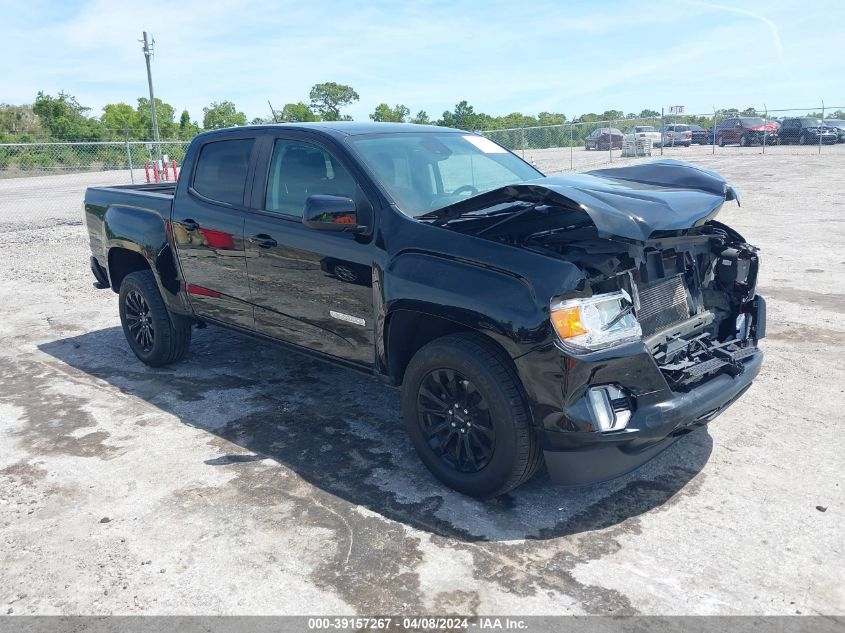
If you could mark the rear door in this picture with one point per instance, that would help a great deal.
(310, 288)
(208, 231)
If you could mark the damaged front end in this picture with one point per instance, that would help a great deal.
(661, 335)
(692, 294)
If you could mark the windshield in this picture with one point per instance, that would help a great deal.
(810, 122)
(645, 128)
(835, 122)
(752, 121)
(427, 171)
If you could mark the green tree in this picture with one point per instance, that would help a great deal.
(19, 123)
(649, 114)
(328, 98)
(298, 113)
(463, 117)
(384, 112)
(551, 118)
(65, 118)
(165, 117)
(120, 120)
(223, 114)
(421, 118)
(187, 129)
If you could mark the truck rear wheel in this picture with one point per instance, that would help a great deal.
(157, 337)
(466, 414)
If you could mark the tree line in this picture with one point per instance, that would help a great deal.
(63, 118)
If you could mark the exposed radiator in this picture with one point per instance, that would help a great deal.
(662, 304)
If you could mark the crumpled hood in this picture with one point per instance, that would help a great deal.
(628, 202)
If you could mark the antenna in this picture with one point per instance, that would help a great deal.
(273, 112)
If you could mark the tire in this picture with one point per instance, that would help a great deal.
(802, 140)
(156, 337)
(496, 428)
(744, 141)
(722, 142)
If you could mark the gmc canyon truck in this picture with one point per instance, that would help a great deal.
(585, 321)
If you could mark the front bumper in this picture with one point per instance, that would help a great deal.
(575, 453)
(579, 458)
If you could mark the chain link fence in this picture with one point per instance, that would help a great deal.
(44, 183)
(583, 145)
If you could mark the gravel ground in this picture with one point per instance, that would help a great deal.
(248, 479)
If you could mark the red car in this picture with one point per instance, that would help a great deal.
(604, 138)
(746, 131)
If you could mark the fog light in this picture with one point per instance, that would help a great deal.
(610, 408)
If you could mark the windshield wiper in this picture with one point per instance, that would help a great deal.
(512, 216)
(441, 219)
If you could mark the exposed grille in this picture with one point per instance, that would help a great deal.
(662, 304)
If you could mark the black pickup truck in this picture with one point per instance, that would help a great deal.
(586, 320)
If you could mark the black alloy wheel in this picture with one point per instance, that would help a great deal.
(156, 336)
(455, 420)
(467, 415)
(139, 320)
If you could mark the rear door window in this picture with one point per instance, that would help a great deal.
(221, 170)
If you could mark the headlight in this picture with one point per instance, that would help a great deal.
(595, 322)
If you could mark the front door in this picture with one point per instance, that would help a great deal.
(208, 230)
(311, 288)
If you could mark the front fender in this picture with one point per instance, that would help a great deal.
(501, 304)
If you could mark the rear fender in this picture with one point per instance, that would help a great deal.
(145, 232)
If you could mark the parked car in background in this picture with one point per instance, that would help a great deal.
(838, 126)
(673, 135)
(746, 131)
(604, 138)
(700, 136)
(807, 130)
(644, 132)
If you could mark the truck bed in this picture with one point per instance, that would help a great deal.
(162, 188)
(150, 200)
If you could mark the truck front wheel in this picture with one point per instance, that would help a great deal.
(157, 337)
(466, 414)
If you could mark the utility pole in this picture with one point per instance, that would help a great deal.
(148, 53)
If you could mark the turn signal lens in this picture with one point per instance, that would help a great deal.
(595, 322)
(567, 322)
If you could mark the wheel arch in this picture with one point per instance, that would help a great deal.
(407, 331)
(122, 261)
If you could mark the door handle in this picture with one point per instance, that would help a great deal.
(189, 224)
(263, 240)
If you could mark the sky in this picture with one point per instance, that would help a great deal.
(529, 57)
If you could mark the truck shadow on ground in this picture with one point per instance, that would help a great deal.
(341, 431)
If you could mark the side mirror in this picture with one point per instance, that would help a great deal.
(331, 213)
